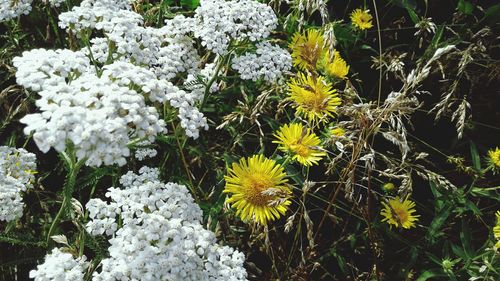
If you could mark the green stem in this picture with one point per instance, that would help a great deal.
(86, 41)
(287, 160)
(184, 163)
(111, 50)
(74, 168)
(220, 63)
(57, 218)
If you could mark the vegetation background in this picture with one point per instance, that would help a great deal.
(326, 235)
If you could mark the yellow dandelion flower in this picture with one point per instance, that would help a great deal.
(335, 66)
(307, 49)
(258, 189)
(361, 19)
(313, 98)
(301, 142)
(337, 131)
(399, 213)
(496, 232)
(494, 157)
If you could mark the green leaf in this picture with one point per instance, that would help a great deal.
(413, 257)
(435, 227)
(437, 37)
(465, 238)
(470, 206)
(22, 239)
(459, 251)
(345, 36)
(191, 4)
(465, 7)
(340, 260)
(486, 192)
(438, 202)
(476, 160)
(492, 15)
(429, 274)
(434, 190)
(413, 16)
(368, 47)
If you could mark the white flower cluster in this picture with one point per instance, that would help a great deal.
(100, 15)
(39, 69)
(161, 237)
(17, 169)
(268, 62)
(135, 77)
(153, 55)
(60, 266)
(144, 153)
(10, 9)
(219, 21)
(177, 53)
(101, 109)
(139, 78)
(99, 115)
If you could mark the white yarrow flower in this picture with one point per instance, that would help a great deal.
(268, 62)
(10, 9)
(161, 237)
(59, 265)
(17, 169)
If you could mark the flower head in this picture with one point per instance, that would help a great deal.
(399, 213)
(17, 169)
(335, 66)
(307, 49)
(258, 189)
(60, 265)
(162, 225)
(314, 98)
(269, 62)
(494, 157)
(300, 142)
(361, 19)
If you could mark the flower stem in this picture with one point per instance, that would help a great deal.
(73, 168)
(220, 63)
(184, 163)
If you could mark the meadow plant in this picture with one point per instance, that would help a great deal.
(249, 140)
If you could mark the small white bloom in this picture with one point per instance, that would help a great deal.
(60, 266)
(269, 62)
(17, 169)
